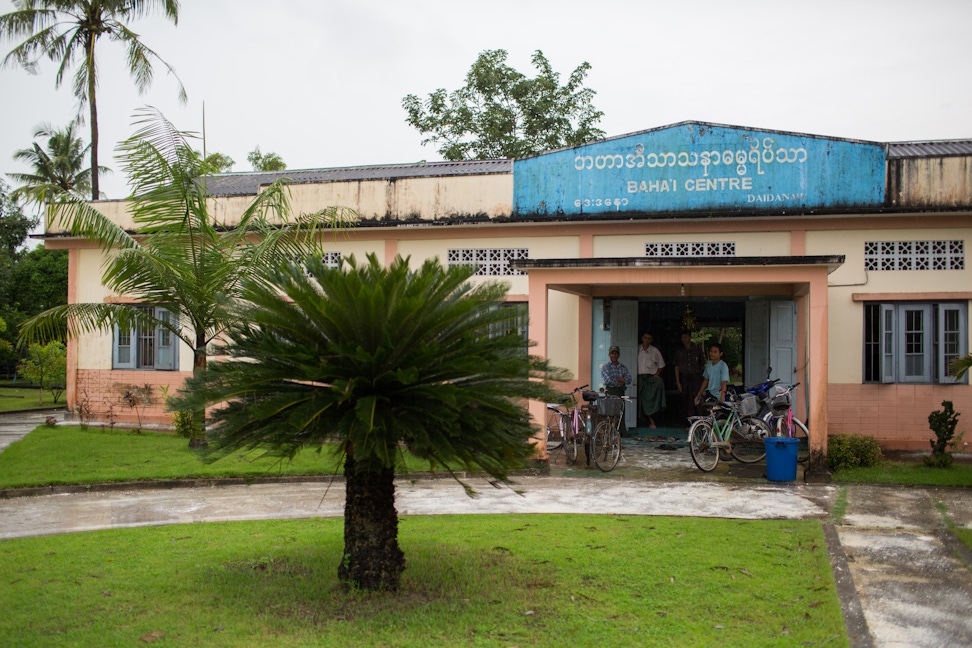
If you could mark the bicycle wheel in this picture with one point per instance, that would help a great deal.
(554, 431)
(571, 439)
(800, 432)
(606, 446)
(747, 442)
(704, 454)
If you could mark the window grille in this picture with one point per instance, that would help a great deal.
(914, 255)
(490, 262)
(694, 249)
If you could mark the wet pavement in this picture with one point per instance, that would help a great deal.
(902, 576)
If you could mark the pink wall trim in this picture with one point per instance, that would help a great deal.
(896, 415)
(103, 391)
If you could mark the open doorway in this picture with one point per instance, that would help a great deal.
(709, 320)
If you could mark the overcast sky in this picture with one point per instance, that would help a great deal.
(320, 82)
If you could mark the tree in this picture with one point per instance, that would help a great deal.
(58, 169)
(14, 228)
(46, 366)
(67, 32)
(502, 113)
(265, 161)
(373, 359)
(220, 162)
(40, 280)
(179, 257)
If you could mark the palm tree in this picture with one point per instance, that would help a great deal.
(374, 359)
(67, 32)
(179, 257)
(58, 169)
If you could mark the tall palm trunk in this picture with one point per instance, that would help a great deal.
(199, 361)
(372, 559)
(93, 108)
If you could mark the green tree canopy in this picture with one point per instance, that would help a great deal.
(67, 32)
(220, 162)
(179, 257)
(45, 365)
(58, 168)
(501, 113)
(265, 161)
(372, 359)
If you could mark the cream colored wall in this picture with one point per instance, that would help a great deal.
(424, 198)
(94, 349)
(846, 317)
(360, 249)
(747, 243)
(562, 331)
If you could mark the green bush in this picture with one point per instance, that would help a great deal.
(851, 451)
(943, 424)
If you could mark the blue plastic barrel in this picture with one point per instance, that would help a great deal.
(781, 458)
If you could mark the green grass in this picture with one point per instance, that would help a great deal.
(907, 474)
(72, 455)
(25, 398)
(965, 535)
(511, 580)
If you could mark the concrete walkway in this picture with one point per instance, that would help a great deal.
(902, 576)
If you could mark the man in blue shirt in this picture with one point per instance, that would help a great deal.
(614, 374)
(715, 377)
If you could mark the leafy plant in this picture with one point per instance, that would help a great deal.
(46, 365)
(368, 357)
(943, 423)
(851, 451)
(137, 399)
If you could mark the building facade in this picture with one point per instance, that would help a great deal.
(835, 263)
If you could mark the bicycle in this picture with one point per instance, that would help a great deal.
(576, 424)
(782, 422)
(605, 445)
(739, 432)
(554, 426)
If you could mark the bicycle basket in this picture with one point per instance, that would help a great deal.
(590, 396)
(610, 406)
(748, 405)
(781, 397)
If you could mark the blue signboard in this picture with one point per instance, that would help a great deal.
(694, 166)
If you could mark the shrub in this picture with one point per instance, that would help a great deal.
(851, 451)
(943, 424)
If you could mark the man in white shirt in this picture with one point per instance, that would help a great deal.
(651, 388)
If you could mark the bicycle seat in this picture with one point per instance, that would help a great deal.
(590, 396)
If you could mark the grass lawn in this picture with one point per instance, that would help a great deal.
(907, 474)
(23, 398)
(510, 580)
(71, 455)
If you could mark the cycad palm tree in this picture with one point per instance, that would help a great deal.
(67, 32)
(60, 168)
(374, 359)
(178, 256)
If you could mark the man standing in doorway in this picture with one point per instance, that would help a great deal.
(651, 388)
(689, 361)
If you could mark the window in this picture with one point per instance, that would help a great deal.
(914, 255)
(491, 262)
(913, 342)
(146, 348)
(697, 249)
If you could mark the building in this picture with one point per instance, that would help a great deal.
(839, 263)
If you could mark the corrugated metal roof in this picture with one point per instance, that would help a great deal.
(936, 148)
(235, 184)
